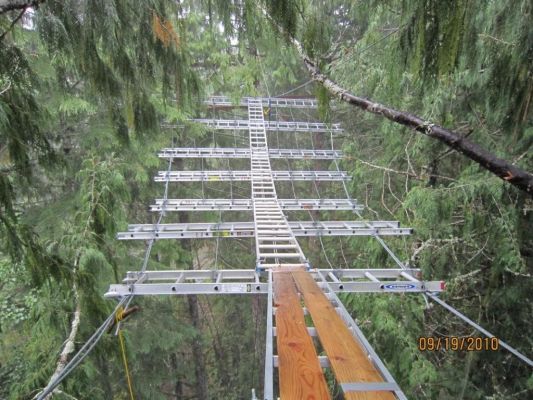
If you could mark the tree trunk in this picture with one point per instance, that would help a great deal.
(69, 346)
(516, 176)
(178, 387)
(198, 354)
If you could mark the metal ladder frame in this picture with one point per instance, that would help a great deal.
(275, 237)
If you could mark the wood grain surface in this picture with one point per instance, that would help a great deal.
(300, 374)
(346, 356)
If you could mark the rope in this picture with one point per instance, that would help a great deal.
(123, 303)
(82, 353)
(296, 88)
(119, 315)
(459, 314)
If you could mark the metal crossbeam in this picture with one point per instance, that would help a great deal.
(210, 176)
(358, 334)
(282, 126)
(271, 230)
(235, 281)
(275, 237)
(265, 102)
(229, 152)
(247, 204)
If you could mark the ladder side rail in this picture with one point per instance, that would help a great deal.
(358, 334)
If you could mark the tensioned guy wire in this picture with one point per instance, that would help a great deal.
(82, 353)
(433, 296)
(125, 301)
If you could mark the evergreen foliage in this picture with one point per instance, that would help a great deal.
(90, 90)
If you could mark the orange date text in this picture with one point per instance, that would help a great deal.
(458, 343)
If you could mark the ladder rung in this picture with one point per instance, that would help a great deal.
(273, 238)
(276, 265)
(278, 246)
(280, 255)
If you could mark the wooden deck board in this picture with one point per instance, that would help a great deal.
(346, 356)
(300, 374)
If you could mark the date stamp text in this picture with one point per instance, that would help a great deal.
(458, 343)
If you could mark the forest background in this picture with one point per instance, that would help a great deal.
(90, 90)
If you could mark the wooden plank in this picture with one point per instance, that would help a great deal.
(300, 374)
(346, 356)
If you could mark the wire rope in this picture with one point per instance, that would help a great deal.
(82, 352)
(433, 296)
(123, 303)
(296, 88)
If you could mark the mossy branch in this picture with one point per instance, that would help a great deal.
(510, 173)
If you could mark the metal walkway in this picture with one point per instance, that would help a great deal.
(247, 205)
(282, 272)
(233, 152)
(265, 102)
(281, 126)
(211, 176)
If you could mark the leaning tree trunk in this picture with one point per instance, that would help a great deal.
(516, 176)
(70, 343)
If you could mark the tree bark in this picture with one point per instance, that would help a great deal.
(516, 176)
(69, 346)
(198, 354)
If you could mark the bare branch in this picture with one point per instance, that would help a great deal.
(10, 5)
(516, 176)
(11, 26)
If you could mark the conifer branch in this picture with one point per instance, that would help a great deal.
(11, 26)
(516, 176)
(503, 169)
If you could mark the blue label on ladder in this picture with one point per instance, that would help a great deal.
(399, 286)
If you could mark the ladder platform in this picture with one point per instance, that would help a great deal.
(209, 176)
(347, 358)
(281, 126)
(224, 101)
(246, 229)
(233, 152)
(300, 372)
(247, 204)
(249, 281)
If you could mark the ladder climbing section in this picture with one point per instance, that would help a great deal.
(308, 328)
(275, 243)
